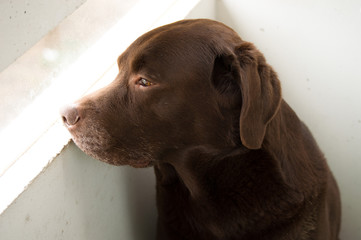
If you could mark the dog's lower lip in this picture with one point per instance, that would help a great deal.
(141, 164)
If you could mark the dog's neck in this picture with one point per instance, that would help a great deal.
(192, 165)
(286, 140)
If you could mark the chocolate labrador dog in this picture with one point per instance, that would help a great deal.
(232, 159)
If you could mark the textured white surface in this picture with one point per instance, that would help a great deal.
(23, 23)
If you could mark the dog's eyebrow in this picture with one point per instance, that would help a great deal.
(138, 63)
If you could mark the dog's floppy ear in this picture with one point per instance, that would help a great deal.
(261, 95)
(244, 80)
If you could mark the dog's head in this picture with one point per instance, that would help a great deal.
(186, 84)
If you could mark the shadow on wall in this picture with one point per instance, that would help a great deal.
(141, 196)
(113, 201)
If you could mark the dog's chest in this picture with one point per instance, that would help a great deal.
(178, 210)
(187, 216)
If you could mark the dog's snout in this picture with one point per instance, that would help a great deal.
(70, 115)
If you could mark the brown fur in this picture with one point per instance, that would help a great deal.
(232, 159)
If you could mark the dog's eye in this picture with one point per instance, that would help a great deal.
(144, 82)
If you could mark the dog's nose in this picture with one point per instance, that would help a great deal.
(70, 115)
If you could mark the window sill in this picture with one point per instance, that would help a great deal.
(36, 137)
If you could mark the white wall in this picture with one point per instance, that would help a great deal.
(315, 48)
